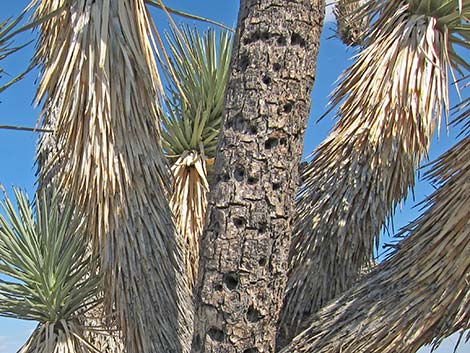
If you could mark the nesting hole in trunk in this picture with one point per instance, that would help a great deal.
(231, 281)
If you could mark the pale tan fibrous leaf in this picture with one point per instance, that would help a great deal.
(58, 337)
(100, 83)
(102, 331)
(189, 203)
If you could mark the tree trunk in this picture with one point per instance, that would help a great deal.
(244, 250)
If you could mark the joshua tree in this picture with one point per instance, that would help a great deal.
(100, 86)
(107, 129)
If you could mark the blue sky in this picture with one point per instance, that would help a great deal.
(17, 148)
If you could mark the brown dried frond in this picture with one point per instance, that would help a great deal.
(102, 333)
(421, 293)
(188, 204)
(100, 83)
(394, 95)
(58, 337)
(48, 165)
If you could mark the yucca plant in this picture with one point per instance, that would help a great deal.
(197, 91)
(99, 81)
(9, 30)
(391, 99)
(50, 273)
(191, 128)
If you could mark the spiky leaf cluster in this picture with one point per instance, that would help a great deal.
(7, 32)
(197, 92)
(46, 267)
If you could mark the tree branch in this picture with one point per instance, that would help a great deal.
(159, 4)
(24, 128)
(420, 294)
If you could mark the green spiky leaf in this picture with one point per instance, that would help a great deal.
(46, 260)
(197, 90)
(7, 28)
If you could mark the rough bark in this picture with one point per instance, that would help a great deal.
(244, 250)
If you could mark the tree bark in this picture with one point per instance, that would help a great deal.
(244, 250)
